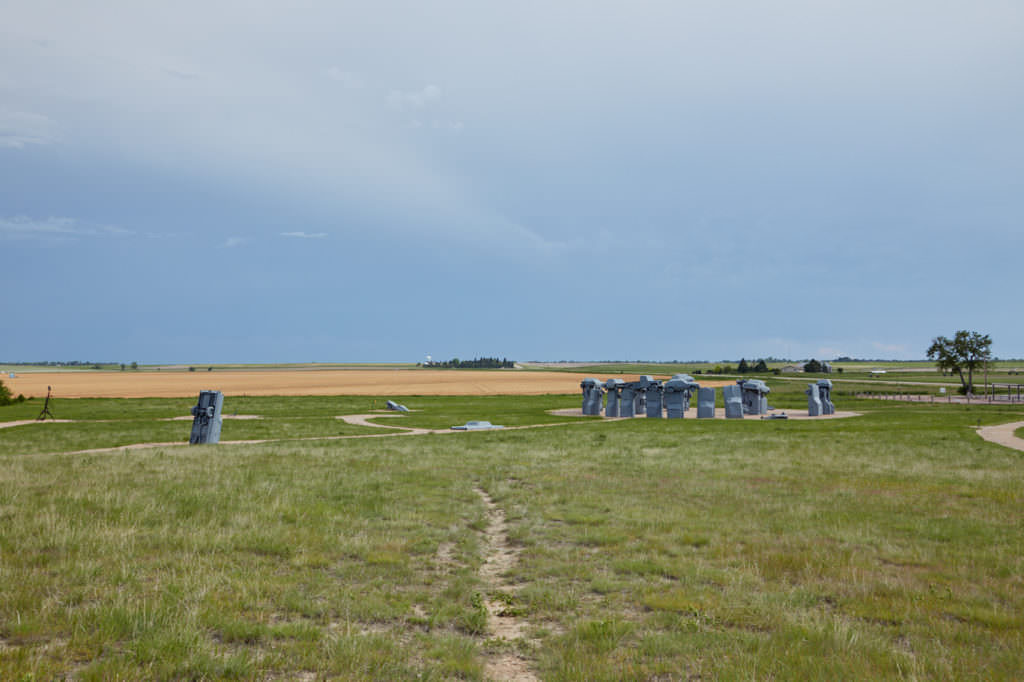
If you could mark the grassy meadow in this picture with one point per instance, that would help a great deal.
(889, 545)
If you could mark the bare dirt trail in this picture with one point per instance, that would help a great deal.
(502, 624)
(1003, 434)
(23, 422)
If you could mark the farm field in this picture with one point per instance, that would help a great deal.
(310, 382)
(881, 546)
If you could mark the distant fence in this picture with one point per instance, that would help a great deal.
(1014, 393)
(993, 394)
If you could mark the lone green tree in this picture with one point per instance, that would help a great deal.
(966, 350)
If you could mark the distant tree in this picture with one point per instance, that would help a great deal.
(123, 366)
(966, 350)
(191, 369)
(135, 365)
(812, 366)
(5, 395)
(743, 367)
(761, 366)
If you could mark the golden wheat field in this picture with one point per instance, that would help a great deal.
(374, 382)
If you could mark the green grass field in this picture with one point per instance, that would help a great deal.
(884, 546)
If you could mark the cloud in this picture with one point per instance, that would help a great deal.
(348, 79)
(110, 229)
(232, 242)
(889, 347)
(23, 226)
(180, 73)
(303, 235)
(21, 128)
(414, 99)
(56, 228)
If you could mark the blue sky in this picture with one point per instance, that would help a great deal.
(324, 181)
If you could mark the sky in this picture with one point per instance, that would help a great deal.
(324, 181)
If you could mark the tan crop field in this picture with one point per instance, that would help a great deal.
(294, 382)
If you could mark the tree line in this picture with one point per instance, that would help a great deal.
(70, 363)
(477, 363)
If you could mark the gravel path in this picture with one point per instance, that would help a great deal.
(1003, 435)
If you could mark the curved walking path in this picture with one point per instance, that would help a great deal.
(364, 420)
(352, 419)
(1003, 434)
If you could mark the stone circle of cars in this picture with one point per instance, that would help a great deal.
(654, 398)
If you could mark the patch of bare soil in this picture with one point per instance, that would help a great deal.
(502, 624)
(1003, 434)
(445, 558)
